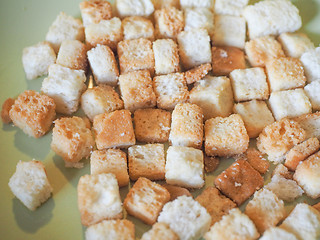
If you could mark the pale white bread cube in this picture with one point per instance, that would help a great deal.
(311, 64)
(184, 167)
(36, 59)
(160, 231)
(30, 184)
(289, 103)
(233, 226)
(197, 3)
(214, 95)
(194, 47)
(312, 90)
(278, 233)
(158, 4)
(127, 8)
(229, 31)
(186, 217)
(282, 171)
(137, 27)
(303, 221)
(311, 124)
(230, 7)
(64, 27)
(271, 17)
(64, 86)
(93, 11)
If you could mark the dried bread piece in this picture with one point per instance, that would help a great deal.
(5, 109)
(311, 64)
(93, 11)
(135, 27)
(158, 4)
(310, 123)
(159, 231)
(312, 89)
(196, 74)
(127, 8)
(176, 191)
(196, 3)
(277, 233)
(256, 160)
(230, 7)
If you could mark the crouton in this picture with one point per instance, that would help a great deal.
(6, 107)
(160, 231)
(311, 64)
(295, 44)
(135, 27)
(127, 8)
(312, 89)
(93, 11)
(196, 74)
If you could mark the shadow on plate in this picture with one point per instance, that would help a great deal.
(8, 127)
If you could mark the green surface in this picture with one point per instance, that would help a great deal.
(24, 23)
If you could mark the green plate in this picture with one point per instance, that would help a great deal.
(24, 23)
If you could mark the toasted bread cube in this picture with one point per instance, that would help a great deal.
(65, 86)
(196, 3)
(216, 204)
(145, 200)
(316, 206)
(196, 74)
(176, 191)
(277, 233)
(30, 184)
(256, 160)
(127, 8)
(152, 125)
(166, 56)
(106, 32)
(147, 161)
(225, 136)
(184, 167)
(114, 129)
(211, 163)
(159, 231)
(110, 161)
(311, 124)
(261, 50)
(229, 31)
(312, 90)
(6, 107)
(230, 7)
(282, 171)
(187, 126)
(186, 217)
(36, 59)
(93, 11)
(256, 116)
(311, 64)
(135, 27)
(272, 18)
(33, 113)
(194, 47)
(64, 27)
(214, 95)
(170, 90)
(158, 4)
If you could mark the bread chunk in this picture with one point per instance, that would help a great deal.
(6, 107)
(282, 171)
(158, 4)
(256, 160)
(211, 163)
(310, 123)
(135, 27)
(196, 74)
(127, 8)
(311, 64)
(316, 206)
(312, 90)
(277, 233)
(196, 3)
(176, 191)
(295, 44)
(93, 11)
(160, 231)
(230, 7)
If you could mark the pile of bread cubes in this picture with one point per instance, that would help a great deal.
(205, 77)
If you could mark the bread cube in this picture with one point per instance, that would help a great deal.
(6, 107)
(282, 171)
(36, 59)
(170, 90)
(311, 64)
(152, 125)
(229, 31)
(271, 18)
(186, 217)
(166, 56)
(176, 191)
(225, 136)
(64, 27)
(127, 8)
(194, 47)
(145, 200)
(160, 231)
(184, 167)
(147, 161)
(33, 113)
(30, 184)
(230, 7)
(64, 86)
(256, 160)
(312, 90)
(93, 11)
(135, 27)
(158, 4)
(211, 163)
(214, 95)
(256, 116)
(277, 233)
(110, 161)
(263, 49)
(196, 3)
(311, 124)
(196, 74)
(114, 130)
(187, 126)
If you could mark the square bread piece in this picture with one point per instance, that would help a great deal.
(136, 54)
(36, 59)
(196, 3)
(98, 198)
(196, 74)
(64, 86)
(136, 90)
(145, 200)
(135, 27)
(272, 17)
(226, 59)
(103, 65)
(184, 167)
(186, 217)
(147, 161)
(33, 113)
(152, 125)
(230, 7)
(176, 191)
(216, 204)
(187, 126)
(295, 44)
(229, 31)
(127, 8)
(256, 160)
(233, 226)
(100, 99)
(277, 233)
(214, 95)
(312, 90)
(111, 230)
(158, 4)
(64, 27)
(170, 90)
(249, 84)
(30, 184)
(166, 56)
(93, 11)
(263, 49)
(239, 181)
(169, 22)
(5, 109)
(289, 103)
(225, 136)
(110, 161)
(114, 129)
(160, 231)
(311, 64)
(194, 47)
(256, 116)
(311, 124)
